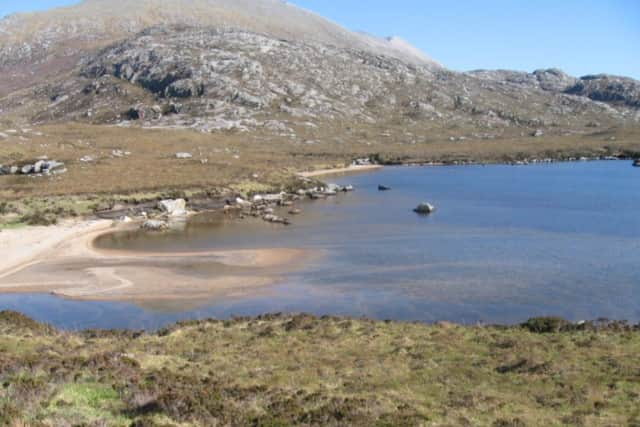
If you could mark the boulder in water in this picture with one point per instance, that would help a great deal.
(424, 208)
(383, 188)
(176, 207)
(636, 163)
(154, 225)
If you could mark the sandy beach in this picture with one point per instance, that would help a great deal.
(336, 171)
(63, 261)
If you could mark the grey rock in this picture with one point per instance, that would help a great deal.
(184, 88)
(275, 219)
(154, 225)
(27, 169)
(424, 208)
(554, 80)
(607, 88)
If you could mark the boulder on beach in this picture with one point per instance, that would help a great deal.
(243, 203)
(184, 156)
(424, 208)
(176, 207)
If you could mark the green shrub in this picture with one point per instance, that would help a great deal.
(546, 325)
(40, 218)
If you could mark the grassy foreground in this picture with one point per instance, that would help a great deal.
(300, 370)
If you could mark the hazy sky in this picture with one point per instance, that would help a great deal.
(579, 36)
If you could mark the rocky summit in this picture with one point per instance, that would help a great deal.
(221, 65)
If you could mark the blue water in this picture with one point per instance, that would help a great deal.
(505, 244)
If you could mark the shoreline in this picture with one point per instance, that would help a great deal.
(32, 249)
(334, 171)
(524, 162)
(62, 260)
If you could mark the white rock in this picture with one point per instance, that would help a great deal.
(184, 155)
(241, 202)
(176, 207)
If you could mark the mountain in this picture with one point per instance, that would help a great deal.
(54, 40)
(243, 65)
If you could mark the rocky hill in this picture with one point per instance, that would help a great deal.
(217, 65)
(49, 42)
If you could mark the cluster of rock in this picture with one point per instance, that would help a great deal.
(534, 161)
(264, 205)
(40, 167)
(172, 211)
(526, 161)
(364, 161)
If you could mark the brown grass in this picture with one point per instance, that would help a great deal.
(222, 160)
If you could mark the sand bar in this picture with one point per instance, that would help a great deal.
(63, 261)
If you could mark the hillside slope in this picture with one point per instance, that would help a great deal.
(280, 370)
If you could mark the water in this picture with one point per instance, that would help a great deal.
(505, 244)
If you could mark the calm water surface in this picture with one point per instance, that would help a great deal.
(505, 244)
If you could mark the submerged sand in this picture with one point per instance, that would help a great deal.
(63, 261)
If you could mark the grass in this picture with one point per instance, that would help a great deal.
(247, 161)
(87, 402)
(281, 370)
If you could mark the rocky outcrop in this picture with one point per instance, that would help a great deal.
(554, 80)
(40, 167)
(610, 89)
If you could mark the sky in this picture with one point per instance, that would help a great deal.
(579, 36)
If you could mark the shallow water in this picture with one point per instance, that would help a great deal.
(506, 243)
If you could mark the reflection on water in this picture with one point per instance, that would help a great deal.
(506, 243)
